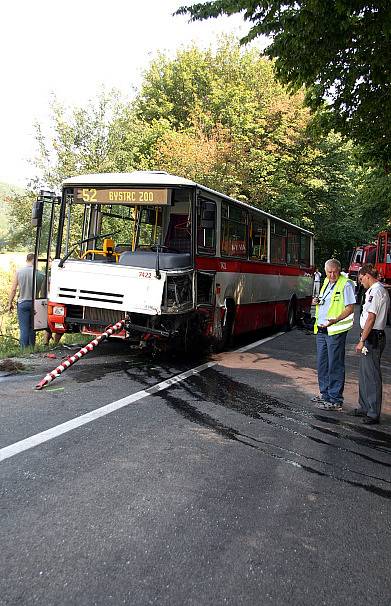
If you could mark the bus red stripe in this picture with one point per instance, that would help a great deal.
(249, 267)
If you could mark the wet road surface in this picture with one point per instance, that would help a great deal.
(225, 488)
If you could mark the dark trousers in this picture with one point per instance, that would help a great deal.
(330, 351)
(27, 334)
(370, 377)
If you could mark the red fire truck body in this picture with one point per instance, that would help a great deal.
(383, 257)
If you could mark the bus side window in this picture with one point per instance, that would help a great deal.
(292, 256)
(206, 227)
(234, 221)
(304, 250)
(278, 238)
(258, 239)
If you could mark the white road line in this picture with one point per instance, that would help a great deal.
(44, 436)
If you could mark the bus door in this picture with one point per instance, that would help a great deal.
(206, 287)
(45, 214)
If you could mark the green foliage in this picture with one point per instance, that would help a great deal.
(7, 195)
(232, 125)
(81, 142)
(374, 200)
(7, 320)
(229, 87)
(341, 51)
(20, 233)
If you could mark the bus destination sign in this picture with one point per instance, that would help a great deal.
(120, 195)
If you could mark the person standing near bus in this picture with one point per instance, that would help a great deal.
(317, 277)
(23, 281)
(373, 321)
(334, 317)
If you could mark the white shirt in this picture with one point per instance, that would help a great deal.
(377, 302)
(317, 276)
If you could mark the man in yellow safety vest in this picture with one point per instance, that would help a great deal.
(333, 319)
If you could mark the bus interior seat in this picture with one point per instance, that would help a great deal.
(144, 259)
(120, 248)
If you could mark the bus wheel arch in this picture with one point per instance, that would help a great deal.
(227, 324)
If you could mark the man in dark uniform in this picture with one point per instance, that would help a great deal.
(373, 320)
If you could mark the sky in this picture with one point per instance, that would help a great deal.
(71, 49)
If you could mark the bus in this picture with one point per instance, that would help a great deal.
(175, 260)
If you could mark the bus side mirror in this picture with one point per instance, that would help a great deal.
(37, 212)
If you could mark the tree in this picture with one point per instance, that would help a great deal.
(20, 234)
(230, 106)
(339, 50)
(89, 139)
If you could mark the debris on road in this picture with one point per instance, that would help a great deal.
(118, 326)
(10, 365)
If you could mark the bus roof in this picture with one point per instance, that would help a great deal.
(156, 177)
(138, 177)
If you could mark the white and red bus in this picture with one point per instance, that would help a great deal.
(172, 257)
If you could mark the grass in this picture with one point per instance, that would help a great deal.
(9, 346)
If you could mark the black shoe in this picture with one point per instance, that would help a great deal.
(358, 412)
(371, 421)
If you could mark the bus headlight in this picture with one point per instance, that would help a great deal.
(58, 310)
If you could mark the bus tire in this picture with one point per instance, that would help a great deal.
(292, 311)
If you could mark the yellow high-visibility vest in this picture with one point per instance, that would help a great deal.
(337, 306)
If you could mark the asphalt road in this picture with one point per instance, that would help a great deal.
(226, 487)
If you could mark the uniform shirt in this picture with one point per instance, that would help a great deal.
(377, 302)
(317, 276)
(349, 298)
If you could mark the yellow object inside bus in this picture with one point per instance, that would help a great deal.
(107, 250)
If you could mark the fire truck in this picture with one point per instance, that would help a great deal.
(380, 255)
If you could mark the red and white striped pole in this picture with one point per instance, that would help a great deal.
(82, 352)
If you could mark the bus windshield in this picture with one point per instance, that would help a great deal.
(128, 226)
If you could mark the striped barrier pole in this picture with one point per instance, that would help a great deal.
(82, 352)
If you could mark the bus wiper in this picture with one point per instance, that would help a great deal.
(157, 266)
(62, 261)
